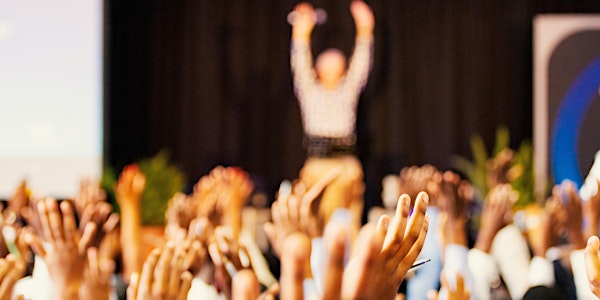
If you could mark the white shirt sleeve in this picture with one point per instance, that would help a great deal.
(580, 276)
(510, 251)
(301, 63)
(484, 272)
(541, 272)
(456, 261)
(360, 65)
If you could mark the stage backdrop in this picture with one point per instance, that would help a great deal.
(567, 103)
(210, 81)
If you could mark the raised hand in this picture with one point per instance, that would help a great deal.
(298, 211)
(415, 179)
(572, 212)
(11, 270)
(498, 168)
(89, 193)
(459, 291)
(66, 249)
(128, 191)
(97, 275)
(495, 214)
(363, 18)
(221, 195)
(544, 238)
(19, 199)
(193, 242)
(304, 21)
(229, 256)
(130, 186)
(382, 256)
(453, 199)
(163, 277)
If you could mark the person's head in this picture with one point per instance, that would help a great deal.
(330, 66)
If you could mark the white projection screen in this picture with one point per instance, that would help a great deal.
(51, 84)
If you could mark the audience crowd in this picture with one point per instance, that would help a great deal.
(474, 246)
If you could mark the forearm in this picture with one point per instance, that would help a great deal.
(131, 239)
(484, 241)
(300, 35)
(302, 68)
(360, 63)
(456, 232)
(593, 223)
(364, 32)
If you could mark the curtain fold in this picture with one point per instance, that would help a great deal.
(210, 82)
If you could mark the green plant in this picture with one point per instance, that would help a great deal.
(503, 165)
(107, 183)
(163, 180)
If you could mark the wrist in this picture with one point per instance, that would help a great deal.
(304, 38)
(577, 239)
(483, 242)
(93, 291)
(66, 291)
(457, 232)
(364, 32)
(592, 228)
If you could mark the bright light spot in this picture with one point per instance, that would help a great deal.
(6, 30)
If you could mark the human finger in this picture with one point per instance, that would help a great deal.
(93, 266)
(35, 243)
(397, 225)
(144, 286)
(592, 264)
(4, 268)
(70, 228)
(111, 222)
(9, 278)
(45, 222)
(405, 261)
(132, 289)
(336, 237)
(186, 283)
(86, 238)
(382, 225)
(162, 271)
(293, 208)
(174, 279)
(415, 223)
(54, 218)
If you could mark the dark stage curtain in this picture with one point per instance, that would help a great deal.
(210, 81)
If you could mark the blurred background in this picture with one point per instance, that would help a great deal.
(210, 82)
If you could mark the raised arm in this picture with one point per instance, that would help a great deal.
(362, 56)
(363, 19)
(128, 191)
(304, 22)
(300, 54)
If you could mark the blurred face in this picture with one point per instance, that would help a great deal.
(330, 65)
